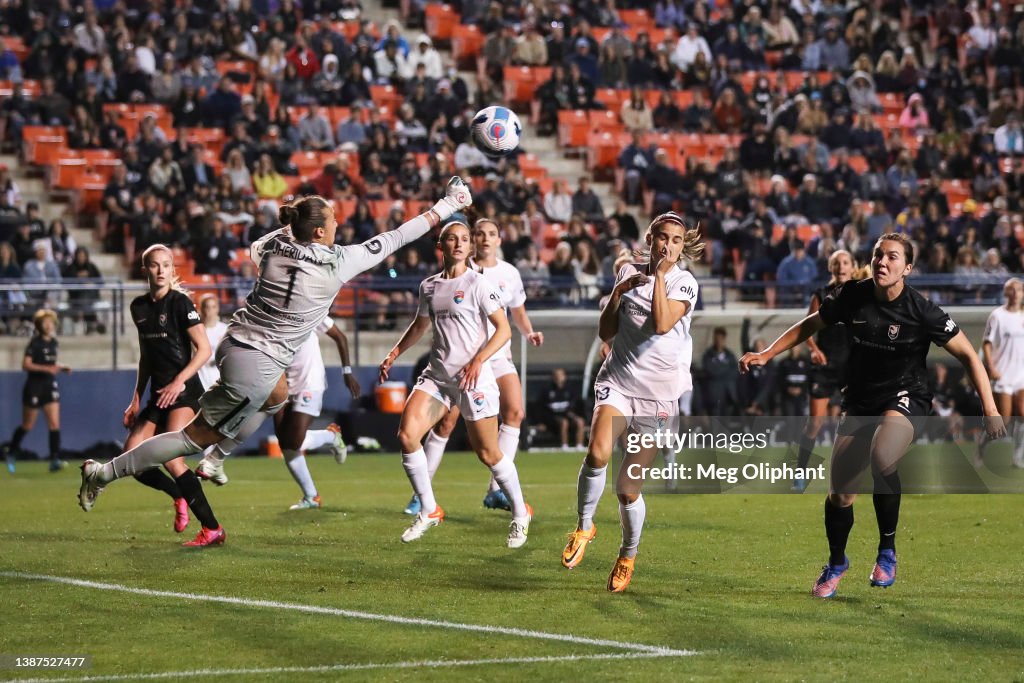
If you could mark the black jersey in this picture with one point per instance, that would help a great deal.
(834, 340)
(163, 334)
(889, 339)
(558, 400)
(41, 352)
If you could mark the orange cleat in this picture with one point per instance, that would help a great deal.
(622, 574)
(207, 537)
(577, 545)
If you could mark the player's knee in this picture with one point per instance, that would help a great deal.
(842, 500)
(628, 498)
(512, 416)
(408, 441)
(489, 456)
(597, 454)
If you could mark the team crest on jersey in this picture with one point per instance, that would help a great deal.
(894, 331)
(306, 398)
(478, 399)
(163, 319)
(501, 285)
(662, 419)
(460, 296)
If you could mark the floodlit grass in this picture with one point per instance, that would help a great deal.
(727, 575)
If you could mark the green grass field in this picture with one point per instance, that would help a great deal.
(726, 576)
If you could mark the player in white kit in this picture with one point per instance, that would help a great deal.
(506, 280)
(1003, 351)
(215, 328)
(307, 382)
(647, 321)
(300, 273)
(457, 304)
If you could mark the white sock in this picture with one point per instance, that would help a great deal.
(415, 465)
(1018, 442)
(300, 471)
(632, 518)
(213, 455)
(508, 444)
(316, 438)
(152, 452)
(589, 488)
(504, 472)
(433, 449)
(248, 428)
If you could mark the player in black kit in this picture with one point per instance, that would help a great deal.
(41, 391)
(891, 327)
(169, 328)
(830, 350)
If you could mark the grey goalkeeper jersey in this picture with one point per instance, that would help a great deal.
(298, 283)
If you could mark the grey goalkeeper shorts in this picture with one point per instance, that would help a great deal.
(247, 378)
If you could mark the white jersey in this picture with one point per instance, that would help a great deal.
(307, 371)
(458, 309)
(643, 364)
(209, 374)
(298, 284)
(505, 279)
(1005, 331)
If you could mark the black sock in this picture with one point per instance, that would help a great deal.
(155, 479)
(193, 494)
(838, 523)
(806, 449)
(887, 508)
(19, 434)
(54, 444)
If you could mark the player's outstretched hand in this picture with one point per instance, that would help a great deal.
(535, 338)
(469, 375)
(631, 282)
(353, 386)
(130, 413)
(385, 367)
(994, 426)
(169, 394)
(457, 197)
(750, 360)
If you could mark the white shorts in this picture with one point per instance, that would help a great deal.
(1008, 385)
(307, 402)
(502, 366)
(643, 415)
(478, 404)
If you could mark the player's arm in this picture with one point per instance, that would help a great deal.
(169, 394)
(341, 342)
(412, 335)
(369, 254)
(141, 380)
(817, 355)
(608, 325)
(665, 312)
(525, 327)
(960, 348)
(986, 353)
(795, 335)
(29, 366)
(502, 333)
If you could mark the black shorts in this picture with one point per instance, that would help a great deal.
(911, 405)
(158, 416)
(825, 381)
(37, 394)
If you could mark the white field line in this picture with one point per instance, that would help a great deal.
(352, 614)
(328, 668)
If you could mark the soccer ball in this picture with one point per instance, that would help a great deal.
(496, 131)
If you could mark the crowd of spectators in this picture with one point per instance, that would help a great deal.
(813, 154)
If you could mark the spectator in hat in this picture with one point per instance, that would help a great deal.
(586, 203)
(327, 83)
(688, 45)
(914, 116)
(813, 202)
(428, 56)
(390, 65)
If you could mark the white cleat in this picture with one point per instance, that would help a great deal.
(421, 524)
(519, 529)
(338, 447)
(212, 470)
(91, 488)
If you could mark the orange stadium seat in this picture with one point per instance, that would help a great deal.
(603, 149)
(603, 119)
(440, 21)
(573, 126)
(521, 82)
(466, 42)
(386, 95)
(67, 173)
(636, 18)
(611, 98)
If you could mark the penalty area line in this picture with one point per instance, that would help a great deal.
(328, 668)
(354, 614)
